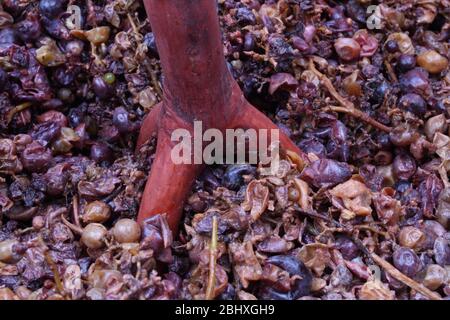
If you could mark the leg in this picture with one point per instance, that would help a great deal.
(149, 125)
(253, 118)
(167, 186)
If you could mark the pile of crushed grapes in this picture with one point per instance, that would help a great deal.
(364, 93)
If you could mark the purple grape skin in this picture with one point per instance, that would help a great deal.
(347, 247)
(407, 261)
(413, 103)
(101, 88)
(441, 250)
(406, 62)
(121, 120)
(404, 166)
(100, 152)
(52, 8)
(293, 266)
(36, 158)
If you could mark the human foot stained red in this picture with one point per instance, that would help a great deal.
(362, 214)
(197, 86)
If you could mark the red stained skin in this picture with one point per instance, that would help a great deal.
(197, 86)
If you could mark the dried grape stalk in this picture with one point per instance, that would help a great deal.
(405, 279)
(347, 106)
(209, 295)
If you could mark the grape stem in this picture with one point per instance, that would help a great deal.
(405, 279)
(347, 106)
(76, 214)
(212, 261)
